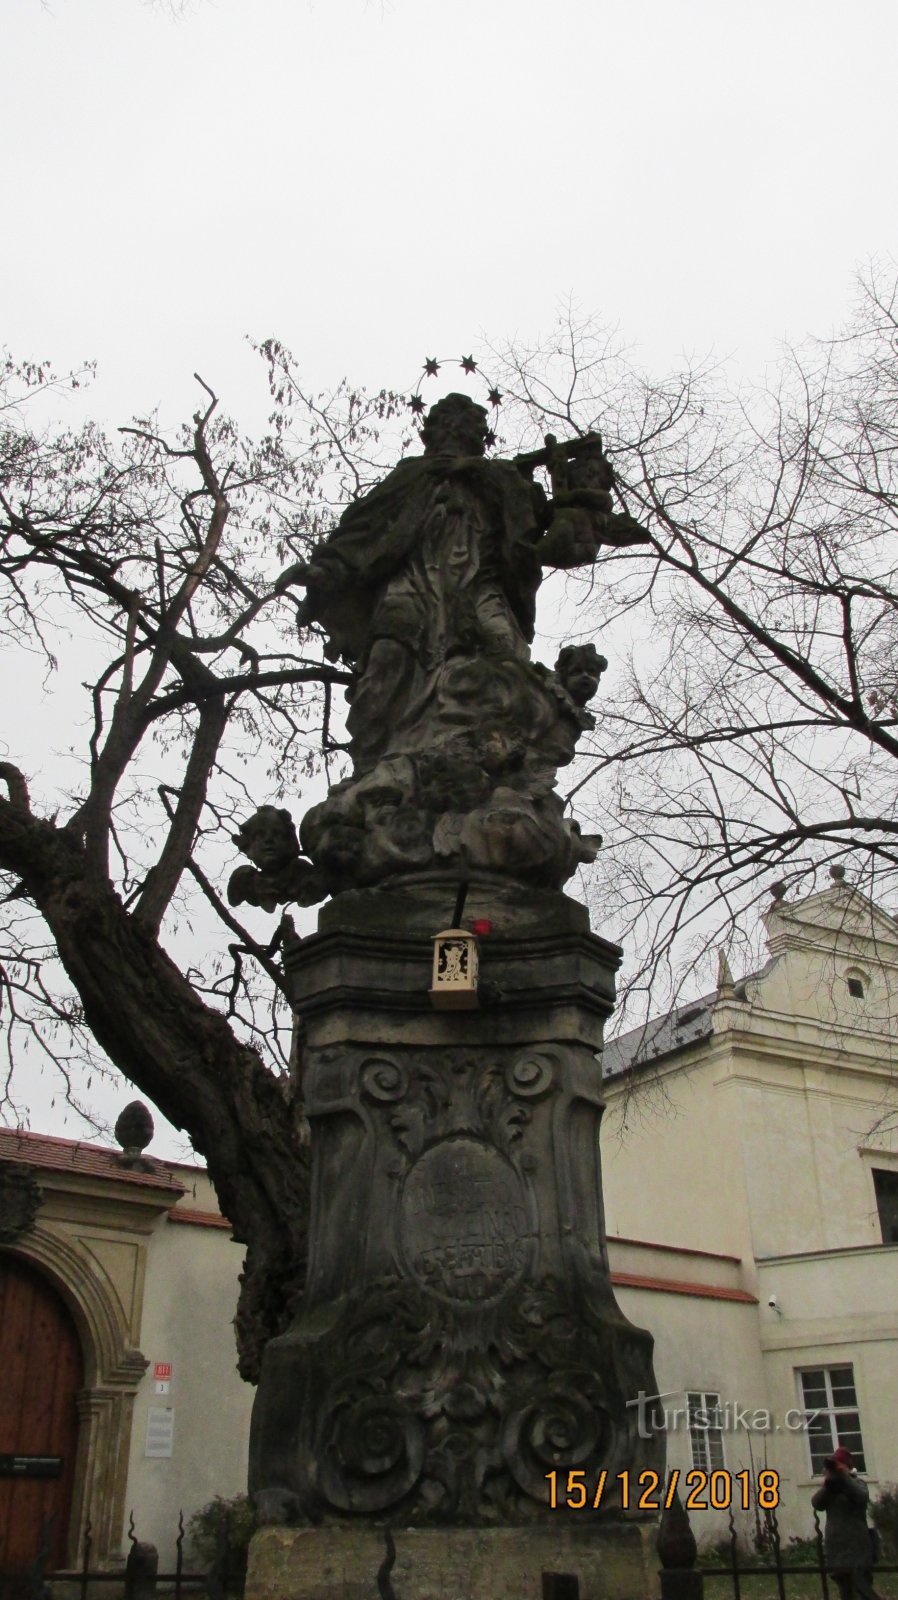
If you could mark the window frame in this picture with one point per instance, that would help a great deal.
(857, 975)
(832, 1412)
(705, 1439)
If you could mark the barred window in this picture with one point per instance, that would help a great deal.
(705, 1429)
(829, 1398)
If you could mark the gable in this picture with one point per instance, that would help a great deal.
(834, 960)
(838, 917)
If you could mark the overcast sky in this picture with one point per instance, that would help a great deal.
(376, 180)
(373, 180)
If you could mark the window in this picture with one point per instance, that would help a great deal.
(705, 1431)
(886, 1186)
(830, 1401)
(857, 982)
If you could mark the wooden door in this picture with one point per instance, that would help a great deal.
(41, 1370)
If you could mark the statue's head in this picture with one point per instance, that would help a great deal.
(268, 837)
(456, 425)
(579, 667)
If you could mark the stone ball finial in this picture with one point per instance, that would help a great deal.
(837, 874)
(778, 889)
(134, 1130)
(20, 1200)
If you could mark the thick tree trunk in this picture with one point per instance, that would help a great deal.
(183, 1056)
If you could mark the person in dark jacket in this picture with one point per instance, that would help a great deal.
(846, 1542)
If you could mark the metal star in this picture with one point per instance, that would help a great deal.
(431, 366)
(494, 397)
(417, 404)
(469, 364)
(489, 439)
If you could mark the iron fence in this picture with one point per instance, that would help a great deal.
(740, 1569)
(682, 1576)
(138, 1578)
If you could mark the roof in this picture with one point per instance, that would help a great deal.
(91, 1160)
(659, 1036)
(838, 909)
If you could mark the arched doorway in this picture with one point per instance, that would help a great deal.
(41, 1371)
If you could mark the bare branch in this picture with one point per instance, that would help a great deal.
(16, 785)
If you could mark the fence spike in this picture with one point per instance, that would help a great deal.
(773, 1529)
(179, 1554)
(734, 1555)
(821, 1557)
(384, 1582)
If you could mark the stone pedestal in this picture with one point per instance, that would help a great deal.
(458, 1340)
(613, 1561)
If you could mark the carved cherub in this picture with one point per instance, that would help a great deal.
(580, 473)
(578, 669)
(279, 873)
(570, 687)
(584, 517)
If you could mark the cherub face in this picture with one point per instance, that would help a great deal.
(268, 840)
(581, 684)
(580, 674)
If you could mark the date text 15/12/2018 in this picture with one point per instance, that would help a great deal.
(704, 1491)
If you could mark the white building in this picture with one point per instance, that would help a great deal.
(759, 1129)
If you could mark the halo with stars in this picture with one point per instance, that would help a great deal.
(430, 369)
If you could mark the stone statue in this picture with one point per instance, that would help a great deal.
(427, 589)
(279, 875)
(457, 1346)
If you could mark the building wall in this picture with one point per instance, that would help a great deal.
(705, 1345)
(834, 1307)
(808, 1186)
(760, 1140)
(189, 1303)
(670, 1151)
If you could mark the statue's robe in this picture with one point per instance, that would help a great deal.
(389, 566)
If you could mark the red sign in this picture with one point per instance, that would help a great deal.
(162, 1370)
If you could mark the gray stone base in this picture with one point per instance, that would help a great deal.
(612, 1561)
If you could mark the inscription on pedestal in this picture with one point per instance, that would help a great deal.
(465, 1225)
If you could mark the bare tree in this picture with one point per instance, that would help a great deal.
(154, 558)
(750, 733)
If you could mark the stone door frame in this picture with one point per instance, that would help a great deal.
(107, 1315)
